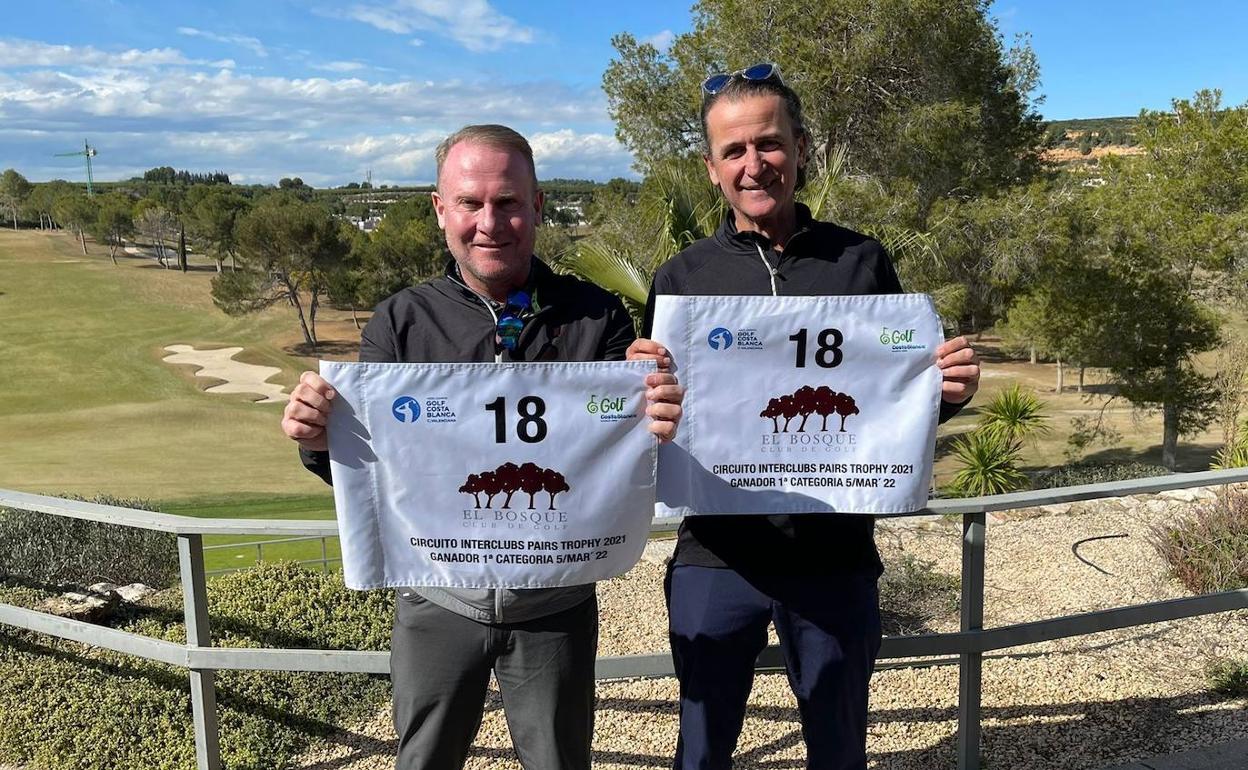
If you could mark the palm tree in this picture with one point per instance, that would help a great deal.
(677, 206)
(988, 465)
(1015, 414)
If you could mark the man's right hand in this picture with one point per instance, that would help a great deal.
(308, 411)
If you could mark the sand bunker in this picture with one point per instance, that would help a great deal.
(239, 377)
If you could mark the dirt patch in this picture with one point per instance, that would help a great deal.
(234, 376)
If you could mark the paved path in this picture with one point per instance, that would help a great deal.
(1224, 756)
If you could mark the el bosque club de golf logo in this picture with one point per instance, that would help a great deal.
(405, 409)
(509, 479)
(806, 402)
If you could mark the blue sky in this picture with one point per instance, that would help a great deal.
(327, 89)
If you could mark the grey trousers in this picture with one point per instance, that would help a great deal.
(440, 666)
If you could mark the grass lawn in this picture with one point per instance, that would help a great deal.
(318, 506)
(89, 407)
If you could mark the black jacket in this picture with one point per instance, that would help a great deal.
(820, 258)
(443, 321)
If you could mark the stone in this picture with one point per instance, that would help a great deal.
(134, 592)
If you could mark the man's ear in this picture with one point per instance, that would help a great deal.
(710, 169)
(439, 208)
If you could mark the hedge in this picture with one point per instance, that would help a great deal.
(66, 705)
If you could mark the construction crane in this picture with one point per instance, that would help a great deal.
(89, 152)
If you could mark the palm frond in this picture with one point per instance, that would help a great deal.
(598, 263)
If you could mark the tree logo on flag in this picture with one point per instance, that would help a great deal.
(510, 478)
(804, 402)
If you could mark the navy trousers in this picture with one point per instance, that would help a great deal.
(829, 629)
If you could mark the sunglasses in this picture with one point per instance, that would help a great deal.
(510, 321)
(764, 71)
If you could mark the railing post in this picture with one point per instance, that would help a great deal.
(970, 664)
(324, 557)
(203, 682)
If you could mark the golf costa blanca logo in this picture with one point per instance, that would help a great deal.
(719, 338)
(405, 409)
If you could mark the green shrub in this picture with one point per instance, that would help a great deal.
(988, 465)
(913, 594)
(1015, 413)
(65, 705)
(1207, 550)
(1228, 677)
(1231, 456)
(55, 549)
(1080, 473)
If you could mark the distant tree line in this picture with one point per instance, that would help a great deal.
(169, 175)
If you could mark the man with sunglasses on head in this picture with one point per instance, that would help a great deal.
(497, 302)
(813, 575)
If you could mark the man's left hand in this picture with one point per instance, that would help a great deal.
(959, 365)
(664, 396)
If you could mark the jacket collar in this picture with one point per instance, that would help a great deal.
(728, 237)
(540, 285)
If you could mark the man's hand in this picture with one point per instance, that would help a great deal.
(308, 411)
(649, 350)
(664, 395)
(959, 365)
(663, 392)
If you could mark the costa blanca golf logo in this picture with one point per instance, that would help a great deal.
(405, 409)
(805, 402)
(719, 338)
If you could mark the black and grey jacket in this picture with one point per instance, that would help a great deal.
(443, 321)
(820, 258)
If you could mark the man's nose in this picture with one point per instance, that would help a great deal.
(488, 218)
(753, 162)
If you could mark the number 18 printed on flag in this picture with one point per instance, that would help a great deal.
(800, 404)
(490, 475)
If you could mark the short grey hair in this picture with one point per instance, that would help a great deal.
(490, 135)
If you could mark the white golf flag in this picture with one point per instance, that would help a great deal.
(490, 475)
(800, 404)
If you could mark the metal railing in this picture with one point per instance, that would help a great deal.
(969, 643)
(259, 545)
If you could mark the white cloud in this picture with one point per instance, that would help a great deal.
(474, 24)
(569, 154)
(162, 109)
(250, 43)
(32, 53)
(384, 19)
(340, 66)
(661, 40)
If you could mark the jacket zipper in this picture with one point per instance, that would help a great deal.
(771, 271)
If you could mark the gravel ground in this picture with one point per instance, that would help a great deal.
(1074, 704)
